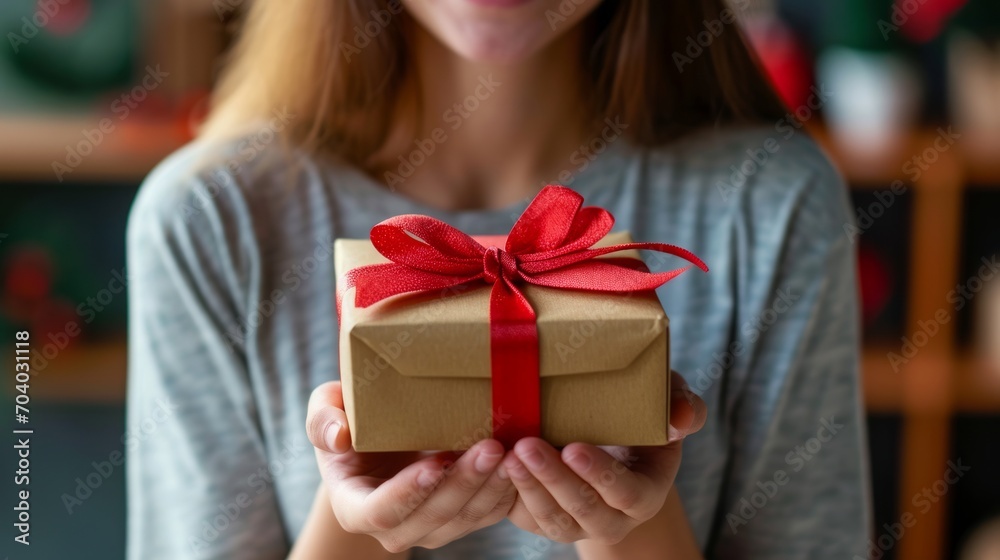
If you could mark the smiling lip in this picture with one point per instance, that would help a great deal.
(500, 3)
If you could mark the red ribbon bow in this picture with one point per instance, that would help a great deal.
(548, 246)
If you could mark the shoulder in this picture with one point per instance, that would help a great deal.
(204, 176)
(763, 177)
(206, 205)
(247, 185)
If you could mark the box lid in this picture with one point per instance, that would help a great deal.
(446, 333)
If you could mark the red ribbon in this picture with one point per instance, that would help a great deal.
(548, 246)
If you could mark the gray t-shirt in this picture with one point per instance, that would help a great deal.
(232, 324)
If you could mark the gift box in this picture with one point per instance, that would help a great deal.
(428, 363)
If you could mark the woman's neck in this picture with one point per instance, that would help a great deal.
(486, 135)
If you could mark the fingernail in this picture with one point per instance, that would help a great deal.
(579, 461)
(673, 434)
(533, 459)
(331, 436)
(486, 461)
(502, 473)
(426, 479)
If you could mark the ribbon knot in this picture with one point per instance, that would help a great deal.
(499, 264)
(549, 245)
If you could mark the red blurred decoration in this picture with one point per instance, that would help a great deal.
(28, 274)
(923, 20)
(26, 283)
(785, 59)
(192, 110)
(67, 15)
(58, 323)
(876, 282)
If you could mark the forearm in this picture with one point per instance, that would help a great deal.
(323, 537)
(667, 535)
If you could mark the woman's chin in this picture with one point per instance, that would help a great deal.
(493, 31)
(481, 45)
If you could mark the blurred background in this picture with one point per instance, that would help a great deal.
(903, 94)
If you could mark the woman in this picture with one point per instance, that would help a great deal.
(333, 116)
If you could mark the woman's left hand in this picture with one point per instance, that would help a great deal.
(599, 493)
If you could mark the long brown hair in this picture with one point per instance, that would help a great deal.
(664, 66)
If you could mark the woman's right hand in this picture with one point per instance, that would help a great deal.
(405, 499)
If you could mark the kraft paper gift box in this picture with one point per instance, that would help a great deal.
(416, 372)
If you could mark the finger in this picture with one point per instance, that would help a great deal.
(574, 495)
(488, 506)
(687, 410)
(326, 421)
(521, 517)
(367, 504)
(451, 499)
(638, 491)
(552, 520)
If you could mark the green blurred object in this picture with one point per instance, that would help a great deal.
(77, 232)
(854, 24)
(66, 52)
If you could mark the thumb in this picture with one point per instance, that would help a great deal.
(326, 421)
(687, 411)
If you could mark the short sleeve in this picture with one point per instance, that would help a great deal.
(196, 465)
(797, 483)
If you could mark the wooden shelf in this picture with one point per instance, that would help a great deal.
(883, 387)
(31, 146)
(981, 158)
(83, 373)
(978, 155)
(976, 387)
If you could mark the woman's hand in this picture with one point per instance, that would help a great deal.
(599, 493)
(405, 499)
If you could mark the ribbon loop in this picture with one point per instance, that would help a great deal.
(549, 245)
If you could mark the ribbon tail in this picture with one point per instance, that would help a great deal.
(516, 390)
(533, 265)
(598, 276)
